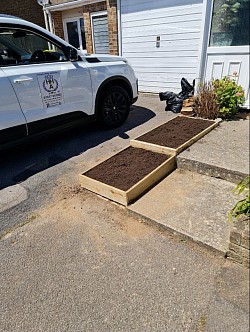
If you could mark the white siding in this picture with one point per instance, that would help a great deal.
(178, 23)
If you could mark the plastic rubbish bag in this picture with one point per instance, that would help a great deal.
(174, 101)
(187, 90)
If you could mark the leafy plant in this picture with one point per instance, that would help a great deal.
(227, 14)
(242, 207)
(205, 102)
(219, 98)
(230, 95)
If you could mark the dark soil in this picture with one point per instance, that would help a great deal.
(176, 132)
(126, 168)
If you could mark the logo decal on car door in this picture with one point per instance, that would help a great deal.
(51, 89)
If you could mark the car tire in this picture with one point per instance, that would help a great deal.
(113, 107)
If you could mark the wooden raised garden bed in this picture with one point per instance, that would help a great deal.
(175, 135)
(128, 174)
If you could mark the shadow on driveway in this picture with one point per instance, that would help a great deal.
(19, 164)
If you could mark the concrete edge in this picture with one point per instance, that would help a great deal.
(182, 236)
(210, 170)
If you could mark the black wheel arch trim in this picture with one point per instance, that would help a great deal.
(108, 82)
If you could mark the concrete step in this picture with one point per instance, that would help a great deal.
(191, 205)
(210, 170)
(222, 153)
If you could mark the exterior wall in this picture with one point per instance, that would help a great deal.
(87, 10)
(107, 5)
(239, 243)
(26, 9)
(112, 26)
(58, 24)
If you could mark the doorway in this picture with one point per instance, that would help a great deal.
(228, 47)
(74, 32)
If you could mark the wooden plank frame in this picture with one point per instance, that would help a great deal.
(136, 143)
(126, 197)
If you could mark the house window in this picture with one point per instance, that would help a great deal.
(74, 32)
(100, 33)
(230, 23)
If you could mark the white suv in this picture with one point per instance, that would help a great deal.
(46, 83)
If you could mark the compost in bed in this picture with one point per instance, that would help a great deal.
(176, 132)
(127, 168)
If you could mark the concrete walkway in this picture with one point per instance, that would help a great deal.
(224, 153)
(196, 198)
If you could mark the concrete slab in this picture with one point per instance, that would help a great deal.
(191, 204)
(223, 153)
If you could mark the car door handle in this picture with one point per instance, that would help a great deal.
(23, 80)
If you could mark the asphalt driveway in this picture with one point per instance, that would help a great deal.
(85, 264)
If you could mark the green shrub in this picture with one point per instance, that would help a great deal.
(219, 98)
(230, 96)
(242, 207)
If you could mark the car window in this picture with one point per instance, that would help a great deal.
(20, 47)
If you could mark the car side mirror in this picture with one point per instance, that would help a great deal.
(71, 53)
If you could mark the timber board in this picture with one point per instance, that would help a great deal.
(137, 143)
(126, 197)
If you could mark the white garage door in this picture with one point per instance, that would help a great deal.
(161, 40)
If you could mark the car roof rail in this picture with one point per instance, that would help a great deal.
(8, 16)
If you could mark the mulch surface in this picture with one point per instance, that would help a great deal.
(126, 168)
(175, 132)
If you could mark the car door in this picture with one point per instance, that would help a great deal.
(12, 120)
(49, 88)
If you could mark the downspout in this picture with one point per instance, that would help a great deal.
(50, 28)
(119, 26)
(46, 19)
(50, 21)
(207, 17)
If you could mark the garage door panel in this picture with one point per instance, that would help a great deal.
(171, 28)
(136, 62)
(152, 88)
(167, 71)
(176, 20)
(165, 47)
(162, 78)
(135, 6)
(167, 12)
(168, 37)
(165, 85)
(159, 55)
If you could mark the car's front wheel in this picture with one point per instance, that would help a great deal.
(114, 106)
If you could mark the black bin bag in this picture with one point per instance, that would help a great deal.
(174, 101)
(187, 90)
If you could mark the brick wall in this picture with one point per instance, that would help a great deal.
(58, 24)
(87, 10)
(108, 5)
(26, 9)
(239, 245)
(112, 26)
